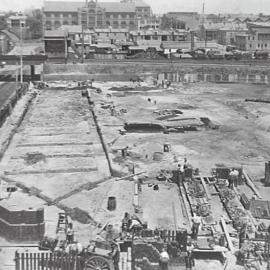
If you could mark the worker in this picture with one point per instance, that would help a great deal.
(196, 222)
(236, 176)
(164, 259)
(190, 262)
(135, 226)
(126, 222)
(111, 233)
(115, 255)
(185, 163)
(233, 178)
(70, 233)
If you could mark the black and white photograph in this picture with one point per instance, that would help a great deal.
(134, 135)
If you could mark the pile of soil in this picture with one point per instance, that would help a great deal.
(33, 158)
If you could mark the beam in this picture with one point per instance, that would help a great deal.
(251, 185)
(208, 195)
(227, 235)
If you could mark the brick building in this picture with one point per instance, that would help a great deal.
(94, 14)
(256, 38)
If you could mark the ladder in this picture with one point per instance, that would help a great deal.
(62, 223)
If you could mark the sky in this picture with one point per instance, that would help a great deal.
(163, 6)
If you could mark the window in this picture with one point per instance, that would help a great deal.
(253, 38)
(248, 37)
(250, 46)
(265, 45)
(57, 24)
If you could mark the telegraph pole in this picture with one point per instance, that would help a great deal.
(21, 57)
(204, 30)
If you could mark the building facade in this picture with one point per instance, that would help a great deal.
(256, 38)
(157, 36)
(94, 14)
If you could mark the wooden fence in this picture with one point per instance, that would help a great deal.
(47, 261)
(7, 108)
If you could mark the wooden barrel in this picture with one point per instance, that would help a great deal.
(111, 203)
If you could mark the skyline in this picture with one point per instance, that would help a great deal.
(162, 6)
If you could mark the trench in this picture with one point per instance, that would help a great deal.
(104, 146)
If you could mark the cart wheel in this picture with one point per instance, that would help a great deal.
(98, 263)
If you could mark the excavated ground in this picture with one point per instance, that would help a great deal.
(57, 151)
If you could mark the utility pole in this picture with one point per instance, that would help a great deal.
(204, 30)
(87, 23)
(21, 56)
(82, 60)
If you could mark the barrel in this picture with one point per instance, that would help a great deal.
(111, 203)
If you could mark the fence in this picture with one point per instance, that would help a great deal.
(47, 261)
(10, 104)
(166, 235)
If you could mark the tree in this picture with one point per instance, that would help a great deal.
(34, 22)
(3, 23)
(171, 23)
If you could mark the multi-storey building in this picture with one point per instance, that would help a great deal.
(93, 14)
(157, 36)
(256, 38)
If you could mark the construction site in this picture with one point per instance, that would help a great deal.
(150, 171)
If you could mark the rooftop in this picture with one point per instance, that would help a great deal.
(72, 28)
(140, 3)
(67, 6)
(259, 24)
(117, 7)
(55, 33)
(17, 17)
(111, 30)
(63, 6)
(159, 32)
(14, 202)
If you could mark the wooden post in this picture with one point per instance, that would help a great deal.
(17, 260)
(22, 261)
(267, 174)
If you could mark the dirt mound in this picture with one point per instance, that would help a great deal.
(33, 158)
